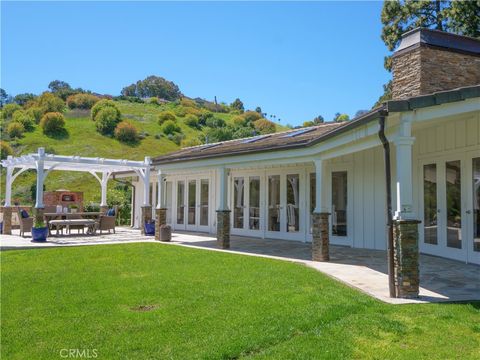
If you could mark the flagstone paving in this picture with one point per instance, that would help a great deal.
(440, 279)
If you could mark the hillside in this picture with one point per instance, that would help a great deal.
(82, 139)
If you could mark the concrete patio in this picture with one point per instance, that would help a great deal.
(441, 279)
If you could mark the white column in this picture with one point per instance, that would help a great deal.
(160, 190)
(40, 178)
(146, 182)
(320, 205)
(404, 182)
(222, 175)
(8, 185)
(103, 184)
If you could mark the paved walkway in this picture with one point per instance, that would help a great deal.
(366, 270)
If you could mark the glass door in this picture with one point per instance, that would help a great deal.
(274, 209)
(192, 204)
(180, 205)
(254, 203)
(341, 213)
(204, 204)
(472, 212)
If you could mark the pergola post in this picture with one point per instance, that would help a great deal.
(223, 213)
(7, 209)
(320, 236)
(405, 224)
(40, 163)
(146, 207)
(103, 184)
(160, 211)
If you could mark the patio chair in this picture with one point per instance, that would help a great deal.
(107, 222)
(26, 223)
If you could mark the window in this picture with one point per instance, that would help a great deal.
(339, 203)
(454, 207)
(430, 204)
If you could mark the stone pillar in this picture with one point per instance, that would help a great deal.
(223, 229)
(7, 220)
(103, 209)
(146, 216)
(39, 215)
(161, 219)
(320, 243)
(406, 258)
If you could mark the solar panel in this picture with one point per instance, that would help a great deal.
(207, 146)
(298, 132)
(253, 139)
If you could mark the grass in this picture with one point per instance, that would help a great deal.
(148, 301)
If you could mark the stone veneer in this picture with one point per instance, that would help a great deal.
(424, 69)
(146, 215)
(7, 220)
(161, 219)
(223, 229)
(406, 258)
(320, 242)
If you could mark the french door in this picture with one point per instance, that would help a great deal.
(192, 204)
(450, 207)
(247, 200)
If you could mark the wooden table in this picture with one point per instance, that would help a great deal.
(61, 216)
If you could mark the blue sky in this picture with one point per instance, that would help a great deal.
(295, 60)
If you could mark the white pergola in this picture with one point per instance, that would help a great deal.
(100, 168)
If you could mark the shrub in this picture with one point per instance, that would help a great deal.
(190, 142)
(9, 109)
(242, 132)
(308, 123)
(192, 121)
(103, 104)
(215, 122)
(166, 116)
(154, 100)
(22, 117)
(82, 101)
(15, 130)
(126, 132)
(180, 111)
(169, 127)
(219, 134)
(251, 116)
(239, 121)
(192, 111)
(204, 116)
(52, 123)
(177, 138)
(188, 102)
(264, 126)
(5, 150)
(36, 112)
(51, 103)
(106, 120)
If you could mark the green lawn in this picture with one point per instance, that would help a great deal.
(211, 305)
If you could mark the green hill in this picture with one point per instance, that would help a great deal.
(82, 139)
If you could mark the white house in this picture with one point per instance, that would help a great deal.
(328, 184)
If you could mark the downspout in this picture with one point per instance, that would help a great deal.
(388, 179)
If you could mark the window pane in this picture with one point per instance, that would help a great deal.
(293, 203)
(180, 202)
(204, 188)
(454, 208)
(430, 204)
(313, 195)
(254, 203)
(274, 203)
(192, 193)
(339, 203)
(476, 204)
(238, 202)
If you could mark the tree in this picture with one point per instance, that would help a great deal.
(22, 99)
(341, 117)
(3, 97)
(463, 17)
(258, 109)
(5, 150)
(360, 113)
(237, 105)
(57, 86)
(318, 120)
(153, 86)
(51, 103)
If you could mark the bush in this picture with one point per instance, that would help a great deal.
(53, 123)
(22, 117)
(180, 111)
(126, 132)
(154, 101)
(192, 121)
(106, 120)
(251, 116)
(177, 138)
(51, 103)
(169, 127)
(308, 123)
(5, 150)
(9, 109)
(215, 122)
(190, 142)
(188, 102)
(82, 101)
(239, 121)
(166, 116)
(264, 126)
(218, 134)
(103, 104)
(15, 130)
(204, 116)
(36, 112)
(243, 132)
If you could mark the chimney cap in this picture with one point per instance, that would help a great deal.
(440, 39)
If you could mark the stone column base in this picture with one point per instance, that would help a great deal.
(145, 216)
(103, 209)
(160, 219)
(406, 258)
(320, 243)
(7, 220)
(223, 229)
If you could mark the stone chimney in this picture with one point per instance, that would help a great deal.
(428, 61)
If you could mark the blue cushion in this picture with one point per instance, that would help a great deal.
(24, 214)
(111, 212)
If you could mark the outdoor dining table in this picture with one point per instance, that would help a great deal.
(76, 215)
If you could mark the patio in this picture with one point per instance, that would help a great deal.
(440, 279)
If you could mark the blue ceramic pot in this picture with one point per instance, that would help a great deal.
(39, 234)
(150, 228)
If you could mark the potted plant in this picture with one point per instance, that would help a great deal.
(73, 208)
(39, 231)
